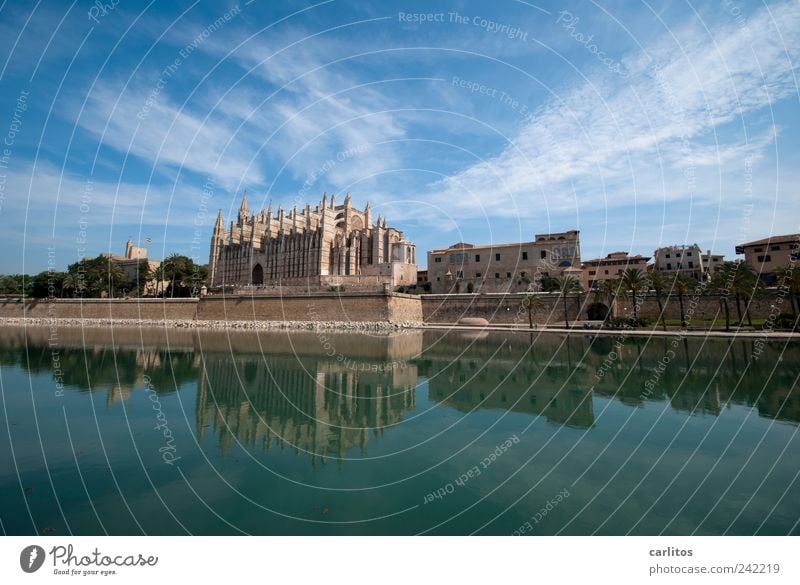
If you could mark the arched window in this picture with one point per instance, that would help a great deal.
(258, 275)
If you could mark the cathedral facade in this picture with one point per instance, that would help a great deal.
(329, 245)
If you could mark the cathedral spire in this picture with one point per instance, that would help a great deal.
(244, 211)
(218, 226)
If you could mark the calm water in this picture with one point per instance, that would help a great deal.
(443, 433)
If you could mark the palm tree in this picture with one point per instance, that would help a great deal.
(789, 279)
(746, 285)
(532, 304)
(158, 274)
(721, 284)
(71, 282)
(152, 276)
(566, 284)
(116, 276)
(634, 281)
(659, 285)
(607, 291)
(681, 284)
(177, 268)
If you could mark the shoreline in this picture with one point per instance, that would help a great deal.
(358, 326)
(212, 325)
(645, 332)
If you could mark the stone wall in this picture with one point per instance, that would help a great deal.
(358, 307)
(99, 308)
(497, 308)
(371, 307)
(704, 307)
(327, 306)
(507, 308)
(405, 308)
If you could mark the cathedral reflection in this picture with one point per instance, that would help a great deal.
(322, 407)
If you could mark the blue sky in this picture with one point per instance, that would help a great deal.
(640, 124)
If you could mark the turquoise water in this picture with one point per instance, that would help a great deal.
(175, 432)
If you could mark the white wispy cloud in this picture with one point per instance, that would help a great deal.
(290, 113)
(605, 142)
(78, 214)
(171, 134)
(314, 109)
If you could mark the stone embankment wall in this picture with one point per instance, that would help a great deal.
(498, 308)
(508, 308)
(318, 307)
(99, 308)
(366, 307)
(703, 307)
(358, 307)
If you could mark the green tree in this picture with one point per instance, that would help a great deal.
(157, 274)
(71, 283)
(94, 276)
(607, 291)
(746, 286)
(533, 304)
(633, 280)
(116, 278)
(141, 278)
(184, 276)
(565, 285)
(681, 285)
(11, 284)
(789, 280)
(39, 285)
(722, 284)
(659, 285)
(548, 284)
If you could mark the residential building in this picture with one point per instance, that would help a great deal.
(711, 262)
(610, 267)
(686, 259)
(767, 255)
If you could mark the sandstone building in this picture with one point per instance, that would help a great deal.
(687, 260)
(611, 267)
(131, 264)
(466, 268)
(330, 245)
(767, 255)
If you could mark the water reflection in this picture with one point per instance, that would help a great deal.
(325, 395)
(551, 376)
(317, 406)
